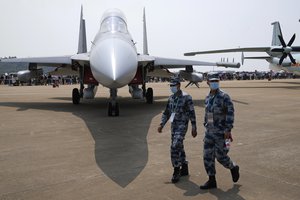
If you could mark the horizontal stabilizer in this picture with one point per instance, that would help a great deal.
(255, 57)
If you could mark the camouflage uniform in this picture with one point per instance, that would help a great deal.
(182, 105)
(221, 107)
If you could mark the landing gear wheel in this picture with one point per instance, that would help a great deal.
(113, 110)
(75, 96)
(117, 109)
(109, 109)
(149, 96)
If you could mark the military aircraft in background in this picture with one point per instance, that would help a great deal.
(113, 62)
(277, 52)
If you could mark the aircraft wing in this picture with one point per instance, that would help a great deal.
(62, 63)
(179, 63)
(41, 61)
(49, 61)
(169, 63)
(246, 49)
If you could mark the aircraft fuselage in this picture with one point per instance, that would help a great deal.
(113, 56)
(286, 65)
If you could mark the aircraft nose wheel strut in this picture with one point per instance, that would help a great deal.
(113, 109)
(113, 106)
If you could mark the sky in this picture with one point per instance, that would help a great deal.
(32, 28)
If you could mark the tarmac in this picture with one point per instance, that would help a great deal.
(52, 149)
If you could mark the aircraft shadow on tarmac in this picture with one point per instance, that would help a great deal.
(121, 149)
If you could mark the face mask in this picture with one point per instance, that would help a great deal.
(214, 85)
(173, 89)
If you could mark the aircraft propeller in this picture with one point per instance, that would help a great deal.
(287, 49)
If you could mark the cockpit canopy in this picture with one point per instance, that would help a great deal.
(113, 21)
(113, 24)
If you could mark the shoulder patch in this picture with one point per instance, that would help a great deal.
(184, 93)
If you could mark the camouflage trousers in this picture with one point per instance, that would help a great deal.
(178, 156)
(214, 147)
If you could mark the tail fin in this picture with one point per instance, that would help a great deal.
(82, 35)
(276, 32)
(145, 41)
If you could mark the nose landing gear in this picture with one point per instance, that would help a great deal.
(113, 109)
(113, 106)
(75, 96)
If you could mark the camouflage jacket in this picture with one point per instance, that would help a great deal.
(221, 106)
(182, 105)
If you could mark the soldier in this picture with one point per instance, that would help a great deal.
(179, 110)
(218, 121)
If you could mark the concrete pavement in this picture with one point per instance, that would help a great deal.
(52, 149)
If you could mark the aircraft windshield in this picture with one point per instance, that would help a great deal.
(113, 24)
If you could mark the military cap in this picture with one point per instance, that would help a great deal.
(175, 81)
(213, 77)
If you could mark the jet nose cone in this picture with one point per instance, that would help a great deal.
(113, 62)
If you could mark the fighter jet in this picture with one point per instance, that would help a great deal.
(113, 62)
(280, 55)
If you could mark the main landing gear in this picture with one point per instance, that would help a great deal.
(113, 105)
(75, 96)
(149, 96)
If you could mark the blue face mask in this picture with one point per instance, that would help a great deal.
(173, 89)
(214, 85)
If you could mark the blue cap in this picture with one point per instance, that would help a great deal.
(213, 77)
(175, 81)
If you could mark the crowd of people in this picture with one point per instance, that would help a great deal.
(12, 79)
(256, 75)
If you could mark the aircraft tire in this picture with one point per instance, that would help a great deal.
(113, 110)
(149, 96)
(75, 96)
(109, 109)
(117, 110)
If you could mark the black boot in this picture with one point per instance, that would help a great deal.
(184, 169)
(176, 175)
(235, 173)
(211, 183)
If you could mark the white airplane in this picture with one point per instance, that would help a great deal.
(278, 52)
(113, 62)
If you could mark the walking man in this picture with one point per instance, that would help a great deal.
(218, 121)
(179, 110)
